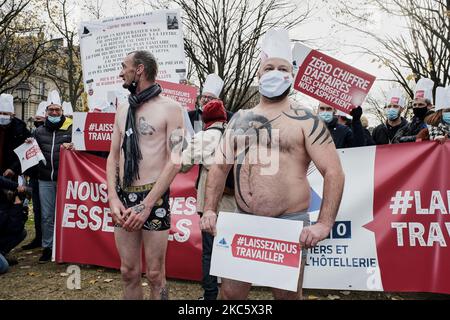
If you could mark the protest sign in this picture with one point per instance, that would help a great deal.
(105, 43)
(328, 80)
(256, 249)
(29, 155)
(92, 131)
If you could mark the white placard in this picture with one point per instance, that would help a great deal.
(29, 155)
(105, 43)
(259, 250)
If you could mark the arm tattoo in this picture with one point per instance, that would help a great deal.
(304, 114)
(145, 128)
(176, 139)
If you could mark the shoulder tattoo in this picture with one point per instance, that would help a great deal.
(319, 131)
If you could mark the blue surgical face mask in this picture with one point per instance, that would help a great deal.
(446, 117)
(392, 114)
(4, 120)
(54, 119)
(326, 116)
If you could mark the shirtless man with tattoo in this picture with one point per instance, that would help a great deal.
(285, 194)
(142, 163)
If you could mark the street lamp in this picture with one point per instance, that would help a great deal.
(23, 94)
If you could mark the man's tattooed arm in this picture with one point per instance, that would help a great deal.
(319, 131)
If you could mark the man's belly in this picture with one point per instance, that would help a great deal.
(287, 191)
(150, 168)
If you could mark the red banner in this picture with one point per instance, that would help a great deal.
(330, 81)
(84, 228)
(405, 192)
(411, 216)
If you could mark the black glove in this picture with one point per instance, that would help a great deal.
(356, 113)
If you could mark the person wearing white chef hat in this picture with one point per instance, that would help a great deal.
(54, 134)
(417, 130)
(275, 187)
(439, 122)
(212, 88)
(395, 104)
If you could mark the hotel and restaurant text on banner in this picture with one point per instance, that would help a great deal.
(392, 231)
(329, 80)
(105, 43)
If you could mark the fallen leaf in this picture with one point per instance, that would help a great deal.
(333, 297)
(63, 274)
(144, 284)
(25, 267)
(345, 293)
(29, 252)
(31, 274)
(107, 280)
(311, 297)
(92, 281)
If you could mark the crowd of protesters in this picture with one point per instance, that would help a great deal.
(53, 131)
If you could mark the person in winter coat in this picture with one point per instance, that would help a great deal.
(54, 134)
(439, 122)
(343, 136)
(201, 150)
(417, 129)
(385, 133)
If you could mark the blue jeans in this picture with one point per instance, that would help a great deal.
(47, 195)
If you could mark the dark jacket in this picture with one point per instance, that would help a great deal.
(15, 134)
(50, 142)
(346, 137)
(409, 132)
(368, 138)
(385, 133)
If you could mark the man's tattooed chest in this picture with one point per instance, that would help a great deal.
(144, 127)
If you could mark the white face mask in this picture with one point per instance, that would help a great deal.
(4, 120)
(274, 83)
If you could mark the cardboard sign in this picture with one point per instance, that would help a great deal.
(329, 80)
(255, 249)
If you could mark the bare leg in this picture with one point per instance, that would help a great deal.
(234, 290)
(129, 247)
(155, 245)
(279, 294)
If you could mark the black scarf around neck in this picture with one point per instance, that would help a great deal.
(130, 145)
